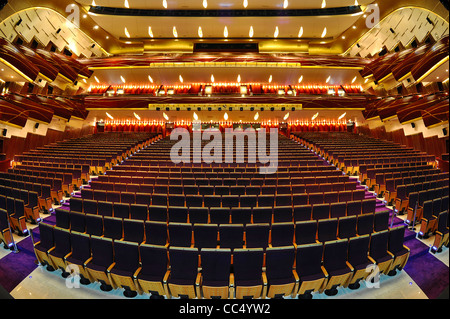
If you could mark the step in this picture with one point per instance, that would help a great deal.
(417, 248)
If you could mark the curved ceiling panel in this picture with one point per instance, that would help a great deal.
(12, 114)
(14, 58)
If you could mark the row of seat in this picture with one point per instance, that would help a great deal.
(18, 181)
(223, 190)
(220, 273)
(238, 234)
(282, 178)
(228, 201)
(390, 187)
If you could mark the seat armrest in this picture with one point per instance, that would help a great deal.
(108, 270)
(350, 266)
(87, 261)
(371, 259)
(324, 271)
(136, 273)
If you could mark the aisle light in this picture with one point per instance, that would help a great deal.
(109, 115)
(150, 32)
(300, 32)
(200, 32)
(175, 32)
(277, 32)
(315, 116)
(245, 4)
(256, 116)
(166, 117)
(225, 116)
(285, 4)
(205, 4)
(126, 4)
(195, 116)
(225, 32)
(324, 33)
(137, 116)
(165, 4)
(342, 116)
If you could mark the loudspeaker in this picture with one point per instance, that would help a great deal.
(444, 130)
(4, 131)
(36, 126)
(413, 125)
(3, 3)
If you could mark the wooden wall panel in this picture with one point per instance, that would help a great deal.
(431, 145)
(18, 145)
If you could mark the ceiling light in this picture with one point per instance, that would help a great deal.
(126, 4)
(328, 79)
(137, 116)
(354, 79)
(166, 117)
(96, 79)
(354, 27)
(245, 4)
(324, 33)
(300, 32)
(150, 32)
(109, 115)
(127, 33)
(165, 4)
(324, 4)
(195, 116)
(95, 27)
(200, 32)
(343, 37)
(180, 78)
(342, 116)
(225, 32)
(84, 16)
(315, 116)
(93, 3)
(286, 116)
(205, 4)
(270, 78)
(300, 79)
(107, 37)
(174, 31)
(367, 80)
(225, 116)
(250, 33)
(150, 79)
(285, 4)
(277, 31)
(123, 80)
(356, 3)
(256, 116)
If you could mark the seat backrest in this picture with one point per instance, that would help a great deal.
(308, 259)
(396, 238)
(215, 265)
(327, 229)
(231, 236)
(133, 230)
(205, 235)
(81, 246)
(279, 262)
(358, 248)
(47, 240)
(282, 234)
(247, 264)
(154, 260)
(335, 254)
(378, 244)
(180, 234)
(155, 233)
(126, 256)
(347, 227)
(183, 263)
(102, 251)
(305, 232)
(257, 235)
(112, 227)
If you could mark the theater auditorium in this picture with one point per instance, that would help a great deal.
(239, 150)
